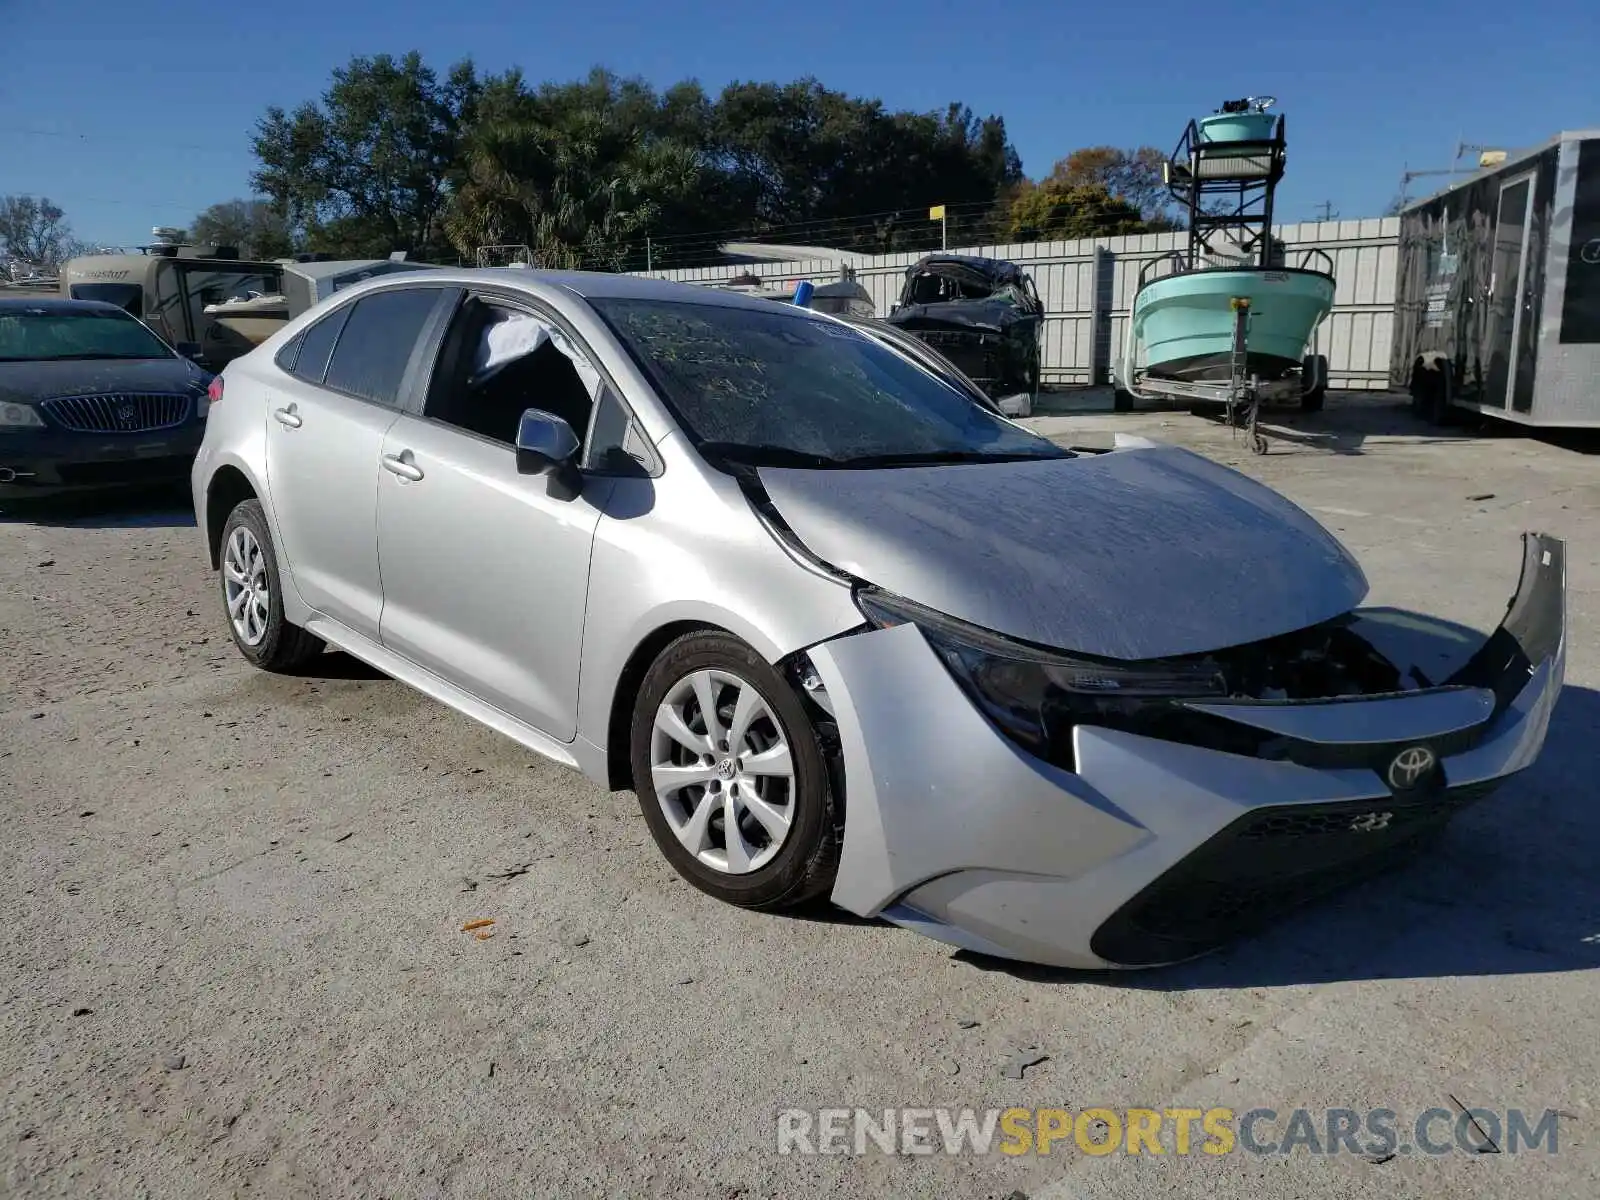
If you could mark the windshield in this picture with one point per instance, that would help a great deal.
(49, 335)
(782, 387)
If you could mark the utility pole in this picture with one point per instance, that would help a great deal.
(1327, 211)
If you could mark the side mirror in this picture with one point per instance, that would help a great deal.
(190, 350)
(546, 444)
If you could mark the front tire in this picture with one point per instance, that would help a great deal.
(252, 594)
(731, 777)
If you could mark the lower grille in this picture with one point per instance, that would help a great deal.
(133, 470)
(1267, 862)
(119, 412)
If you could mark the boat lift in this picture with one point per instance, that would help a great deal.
(1228, 326)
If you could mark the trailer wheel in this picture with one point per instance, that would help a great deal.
(1433, 397)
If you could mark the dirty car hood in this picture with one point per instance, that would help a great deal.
(39, 380)
(1133, 554)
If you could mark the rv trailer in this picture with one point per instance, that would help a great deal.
(1497, 300)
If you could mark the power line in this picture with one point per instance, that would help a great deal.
(29, 131)
(1327, 211)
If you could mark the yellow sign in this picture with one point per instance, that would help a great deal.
(936, 213)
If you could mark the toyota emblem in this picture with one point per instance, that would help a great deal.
(1410, 767)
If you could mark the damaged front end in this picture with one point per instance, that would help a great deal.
(1123, 813)
(983, 314)
(1253, 699)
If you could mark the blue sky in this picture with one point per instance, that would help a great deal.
(133, 115)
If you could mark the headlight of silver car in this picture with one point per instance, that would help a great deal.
(1037, 696)
(19, 416)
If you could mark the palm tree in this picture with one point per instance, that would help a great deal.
(577, 193)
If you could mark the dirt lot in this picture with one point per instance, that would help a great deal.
(232, 960)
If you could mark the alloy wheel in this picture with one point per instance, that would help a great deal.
(246, 587)
(723, 771)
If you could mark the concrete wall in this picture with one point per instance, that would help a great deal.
(1087, 287)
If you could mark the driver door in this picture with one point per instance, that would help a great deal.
(485, 570)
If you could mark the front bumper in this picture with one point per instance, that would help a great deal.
(45, 462)
(1153, 851)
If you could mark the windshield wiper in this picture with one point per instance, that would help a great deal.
(764, 455)
(929, 458)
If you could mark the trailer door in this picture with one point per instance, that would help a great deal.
(1507, 285)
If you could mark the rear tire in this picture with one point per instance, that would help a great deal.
(252, 594)
(708, 771)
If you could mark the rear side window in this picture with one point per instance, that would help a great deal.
(376, 343)
(307, 356)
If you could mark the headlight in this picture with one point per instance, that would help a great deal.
(20, 416)
(1036, 695)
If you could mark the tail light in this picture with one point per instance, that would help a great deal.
(214, 390)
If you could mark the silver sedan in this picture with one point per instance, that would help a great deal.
(847, 631)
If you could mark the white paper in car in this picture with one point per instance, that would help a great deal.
(516, 335)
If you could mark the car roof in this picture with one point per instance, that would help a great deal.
(590, 285)
(57, 304)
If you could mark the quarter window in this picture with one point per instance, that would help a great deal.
(375, 345)
(310, 359)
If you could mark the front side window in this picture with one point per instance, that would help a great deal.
(779, 385)
(498, 361)
(376, 342)
(50, 335)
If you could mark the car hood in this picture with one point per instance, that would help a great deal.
(1131, 554)
(89, 377)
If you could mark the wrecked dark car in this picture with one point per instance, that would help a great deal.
(984, 315)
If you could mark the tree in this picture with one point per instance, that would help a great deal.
(798, 153)
(1057, 210)
(576, 195)
(579, 172)
(253, 226)
(35, 231)
(391, 158)
(1133, 175)
(365, 172)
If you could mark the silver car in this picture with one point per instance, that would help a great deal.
(847, 631)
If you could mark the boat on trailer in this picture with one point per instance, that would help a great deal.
(1225, 320)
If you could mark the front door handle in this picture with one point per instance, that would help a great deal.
(402, 465)
(288, 416)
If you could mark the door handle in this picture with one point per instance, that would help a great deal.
(288, 416)
(402, 465)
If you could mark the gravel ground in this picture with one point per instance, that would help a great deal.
(233, 961)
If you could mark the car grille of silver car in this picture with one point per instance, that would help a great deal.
(119, 412)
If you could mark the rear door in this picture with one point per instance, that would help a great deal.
(345, 379)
